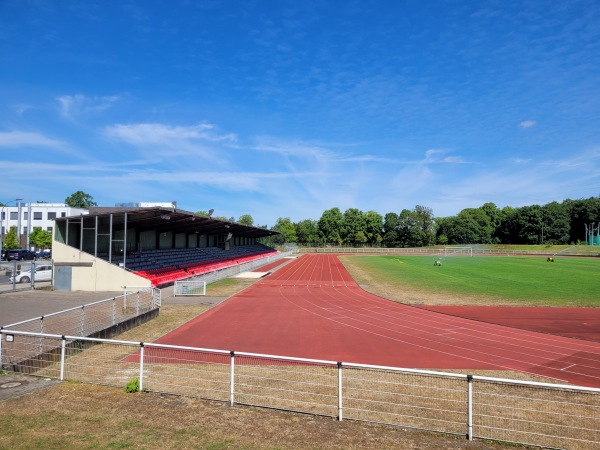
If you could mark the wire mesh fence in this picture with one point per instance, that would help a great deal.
(91, 318)
(417, 400)
(540, 414)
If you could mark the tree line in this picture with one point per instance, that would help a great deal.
(553, 223)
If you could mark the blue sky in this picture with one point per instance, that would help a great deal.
(288, 108)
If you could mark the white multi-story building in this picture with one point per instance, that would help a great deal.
(29, 216)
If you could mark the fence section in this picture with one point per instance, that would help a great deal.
(540, 414)
(219, 274)
(94, 317)
(536, 414)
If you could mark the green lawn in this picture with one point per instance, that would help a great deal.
(567, 281)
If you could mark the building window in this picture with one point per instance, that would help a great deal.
(51, 215)
(14, 215)
(49, 229)
(25, 215)
(37, 215)
(24, 230)
(3, 215)
(63, 214)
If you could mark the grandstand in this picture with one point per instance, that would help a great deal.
(114, 247)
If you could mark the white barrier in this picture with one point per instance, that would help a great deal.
(541, 414)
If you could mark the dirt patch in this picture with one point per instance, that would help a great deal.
(78, 416)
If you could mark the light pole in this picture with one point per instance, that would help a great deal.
(2, 222)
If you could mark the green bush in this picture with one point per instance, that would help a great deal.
(133, 386)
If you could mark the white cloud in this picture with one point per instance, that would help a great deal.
(528, 124)
(73, 106)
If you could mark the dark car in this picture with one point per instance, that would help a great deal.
(46, 254)
(19, 254)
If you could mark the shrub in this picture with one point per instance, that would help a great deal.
(133, 386)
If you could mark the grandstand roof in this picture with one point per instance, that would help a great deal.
(170, 219)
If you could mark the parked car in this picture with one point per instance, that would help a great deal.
(42, 273)
(19, 254)
(46, 254)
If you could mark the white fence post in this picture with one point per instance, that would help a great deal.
(137, 306)
(141, 366)
(63, 347)
(470, 407)
(339, 364)
(232, 381)
(82, 320)
(114, 310)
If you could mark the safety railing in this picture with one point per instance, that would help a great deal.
(219, 274)
(91, 318)
(541, 414)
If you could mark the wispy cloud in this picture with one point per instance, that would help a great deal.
(27, 139)
(159, 141)
(74, 106)
(291, 148)
(437, 157)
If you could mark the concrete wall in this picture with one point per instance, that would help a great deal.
(93, 274)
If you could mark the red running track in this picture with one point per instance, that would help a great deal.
(312, 308)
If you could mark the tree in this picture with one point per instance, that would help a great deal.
(556, 224)
(443, 228)
(285, 226)
(80, 199)
(406, 228)
(330, 226)
(246, 219)
(353, 224)
(11, 240)
(390, 233)
(41, 239)
(470, 226)
(373, 223)
(416, 228)
(425, 224)
(307, 232)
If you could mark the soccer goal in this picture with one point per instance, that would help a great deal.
(189, 287)
(458, 251)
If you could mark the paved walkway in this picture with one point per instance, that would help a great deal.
(23, 305)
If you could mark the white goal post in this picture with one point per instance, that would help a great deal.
(189, 287)
(457, 251)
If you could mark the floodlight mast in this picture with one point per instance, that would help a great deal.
(2, 222)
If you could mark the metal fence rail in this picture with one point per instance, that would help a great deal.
(217, 275)
(91, 318)
(541, 414)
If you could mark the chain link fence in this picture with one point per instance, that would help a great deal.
(541, 414)
(92, 318)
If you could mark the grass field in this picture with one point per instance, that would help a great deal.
(504, 280)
